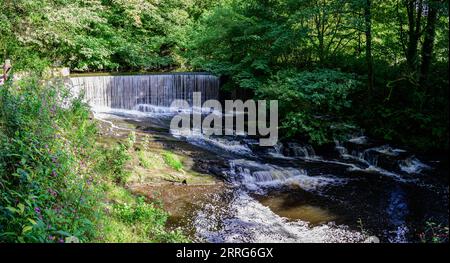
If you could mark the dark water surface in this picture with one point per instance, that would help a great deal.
(290, 193)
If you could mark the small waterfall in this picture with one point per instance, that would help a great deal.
(298, 150)
(340, 148)
(276, 151)
(368, 156)
(384, 159)
(359, 140)
(257, 176)
(412, 165)
(144, 92)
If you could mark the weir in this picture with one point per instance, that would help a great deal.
(137, 92)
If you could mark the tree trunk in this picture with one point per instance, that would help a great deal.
(414, 9)
(368, 32)
(428, 43)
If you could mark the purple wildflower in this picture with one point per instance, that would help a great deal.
(52, 192)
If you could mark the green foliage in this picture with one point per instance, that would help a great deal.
(247, 43)
(404, 112)
(140, 212)
(145, 142)
(315, 105)
(172, 160)
(144, 161)
(97, 35)
(147, 221)
(131, 140)
(115, 161)
(54, 177)
(45, 179)
(308, 54)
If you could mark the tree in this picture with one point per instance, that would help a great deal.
(428, 43)
(368, 33)
(414, 10)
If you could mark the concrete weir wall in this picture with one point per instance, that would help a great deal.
(137, 91)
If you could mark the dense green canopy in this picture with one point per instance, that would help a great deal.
(387, 60)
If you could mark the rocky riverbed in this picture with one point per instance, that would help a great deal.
(232, 190)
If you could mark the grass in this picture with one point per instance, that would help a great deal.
(172, 160)
(150, 160)
(144, 161)
(131, 218)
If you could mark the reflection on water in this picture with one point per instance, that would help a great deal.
(285, 207)
(397, 211)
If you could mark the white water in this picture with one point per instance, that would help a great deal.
(370, 157)
(258, 177)
(305, 151)
(247, 220)
(126, 92)
(413, 165)
(359, 140)
(221, 143)
(277, 151)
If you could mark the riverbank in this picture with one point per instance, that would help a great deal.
(59, 182)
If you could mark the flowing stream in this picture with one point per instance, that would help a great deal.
(291, 192)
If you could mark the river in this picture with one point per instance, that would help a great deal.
(357, 190)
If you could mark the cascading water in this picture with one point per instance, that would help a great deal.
(412, 165)
(148, 93)
(257, 176)
(298, 150)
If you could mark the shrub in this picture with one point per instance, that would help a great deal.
(54, 179)
(115, 160)
(131, 140)
(46, 141)
(313, 105)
